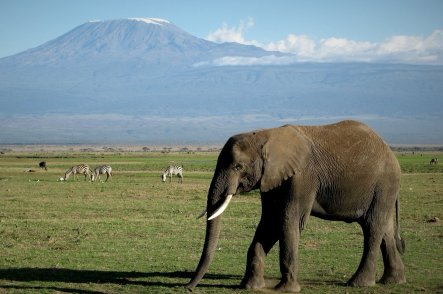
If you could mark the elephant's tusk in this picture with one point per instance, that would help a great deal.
(221, 208)
(202, 213)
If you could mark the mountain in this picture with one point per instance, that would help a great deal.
(116, 60)
(130, 42)
(144, 80)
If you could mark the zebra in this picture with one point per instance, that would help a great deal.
(78, 169)
(434, 161)
(101, 170)
(173, 170)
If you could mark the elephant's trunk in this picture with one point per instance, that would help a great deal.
(212, 235)
(219, 196)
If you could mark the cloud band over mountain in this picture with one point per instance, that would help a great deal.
(396, 49)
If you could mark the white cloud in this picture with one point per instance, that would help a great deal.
(302, 45)
(265, 60)
(396, 49)
(435, 40)
(232, 34)
(413, 49)
(398, 44)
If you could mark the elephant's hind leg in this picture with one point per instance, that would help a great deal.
(374, 225)
(365, 274)
(394, 272)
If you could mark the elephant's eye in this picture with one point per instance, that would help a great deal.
(238, 167)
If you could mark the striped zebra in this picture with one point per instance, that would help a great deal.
(101, 170)
(78, 169)
(173, 170)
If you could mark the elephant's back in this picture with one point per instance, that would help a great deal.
(344, 135)
(353, 144)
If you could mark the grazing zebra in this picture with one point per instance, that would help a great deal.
(101, 170)
(43, 165)
(434, 161)
(78, 169)
(173, 170)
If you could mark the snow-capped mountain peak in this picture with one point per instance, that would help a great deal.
(148, 20)
(137, 40)
(157, 21)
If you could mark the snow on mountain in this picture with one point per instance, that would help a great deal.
(146, 80)
(157, 21)
(146, 40)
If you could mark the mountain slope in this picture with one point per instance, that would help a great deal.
(148, 41)
(146, 80)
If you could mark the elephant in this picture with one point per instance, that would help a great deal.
(342, 171)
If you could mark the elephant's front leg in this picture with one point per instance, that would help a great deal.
(289, 257)
(295, 212)
(266, 235)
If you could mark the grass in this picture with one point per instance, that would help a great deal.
(136, 234)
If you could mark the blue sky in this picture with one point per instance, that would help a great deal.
(409, 30)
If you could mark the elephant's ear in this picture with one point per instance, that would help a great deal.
(284, 154)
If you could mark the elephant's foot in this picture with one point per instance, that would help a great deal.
(361, 280)
(393, 278)
(253, 283)
(293, 287)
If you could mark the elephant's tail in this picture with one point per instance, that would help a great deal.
(400, 243)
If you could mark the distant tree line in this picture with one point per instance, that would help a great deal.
(416, 148)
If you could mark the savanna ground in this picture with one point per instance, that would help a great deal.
(135, 234)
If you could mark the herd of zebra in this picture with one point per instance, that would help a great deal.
(169, 172)
(84, 169)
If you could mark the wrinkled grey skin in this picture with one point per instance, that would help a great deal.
(342, 171)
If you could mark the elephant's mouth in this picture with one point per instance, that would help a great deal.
(219, 210)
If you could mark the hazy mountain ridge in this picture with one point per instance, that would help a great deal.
(94, 43)
(136, 81)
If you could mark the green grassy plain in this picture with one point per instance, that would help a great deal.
(135, 234)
